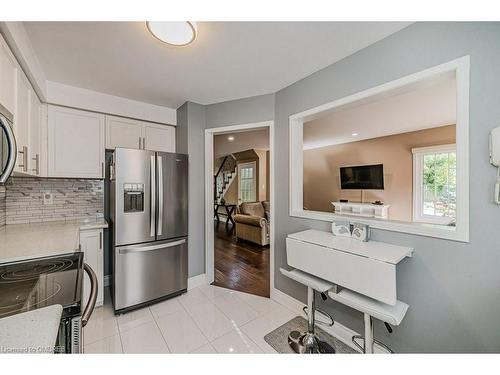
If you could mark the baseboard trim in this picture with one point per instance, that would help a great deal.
(196, 281)
(339, 331)
(287, 301)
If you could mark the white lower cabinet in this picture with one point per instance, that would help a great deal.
(91, 243)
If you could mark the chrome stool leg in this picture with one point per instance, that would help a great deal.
(368, 339)
(308, 342)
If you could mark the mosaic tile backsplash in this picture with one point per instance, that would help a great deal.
(73, 199)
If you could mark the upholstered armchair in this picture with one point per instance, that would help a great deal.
(252, 222)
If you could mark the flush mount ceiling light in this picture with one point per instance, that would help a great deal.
(230, 138)
(173, 33)
(354, 134)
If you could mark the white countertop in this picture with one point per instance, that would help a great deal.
(381, 251)
(26, 241)
(31, 332)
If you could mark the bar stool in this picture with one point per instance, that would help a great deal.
(308, 342)
(371, 308)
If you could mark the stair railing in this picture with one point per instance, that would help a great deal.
(217, 175)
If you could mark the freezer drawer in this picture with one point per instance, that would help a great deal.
(149, 271)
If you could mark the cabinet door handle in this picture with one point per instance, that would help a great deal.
(102, 169)
(140, 143)
(100, 240)
(24, 165)
(143, 143)
(37, 164)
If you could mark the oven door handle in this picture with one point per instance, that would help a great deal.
(89, 309)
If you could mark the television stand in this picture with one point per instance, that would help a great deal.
(362, 209)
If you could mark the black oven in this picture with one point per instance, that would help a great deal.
(35, 283)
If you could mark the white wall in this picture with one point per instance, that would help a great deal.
(71, 96)
(51, 92)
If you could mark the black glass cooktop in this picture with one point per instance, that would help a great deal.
(32, 284)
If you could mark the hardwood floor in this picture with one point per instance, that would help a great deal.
(240, 265)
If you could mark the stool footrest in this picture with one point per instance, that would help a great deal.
(362, 348)
(321, 312)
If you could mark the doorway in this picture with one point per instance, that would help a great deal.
(239, 207)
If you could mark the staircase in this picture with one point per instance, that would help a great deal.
(224, 177)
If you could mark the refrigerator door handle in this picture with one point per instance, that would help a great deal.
(160, 196)
(153, 196)
(142, 249)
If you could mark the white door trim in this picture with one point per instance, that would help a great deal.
(209, 194)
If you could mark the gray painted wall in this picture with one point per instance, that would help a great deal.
(453, 289)
(192, 119)
(241, 111)
(190, 140)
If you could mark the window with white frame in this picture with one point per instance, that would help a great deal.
(435, 184)
(247, 182)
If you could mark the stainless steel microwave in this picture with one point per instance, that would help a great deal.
(8, 148)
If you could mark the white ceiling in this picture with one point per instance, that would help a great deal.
(426, 104)
(243, 140)
(229, 60)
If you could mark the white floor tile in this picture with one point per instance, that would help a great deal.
(180, 332)
(133, 319)
(257, 329)
(110, 344)
(212, 322)
(235, 342)
(145, 338)
(205, 349)
(192, 298)
(166, 307)
(212, 292)
(235, 309)
(260, 304)
(233, 322)
(102, 312)
(100, 326)
(279, 314)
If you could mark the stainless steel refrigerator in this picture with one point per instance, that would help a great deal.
(149, 219)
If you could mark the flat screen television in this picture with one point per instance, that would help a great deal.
(364, 177)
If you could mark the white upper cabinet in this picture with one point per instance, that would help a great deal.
(75, 143)
(123, 132)
(129, 133)
(8, 70)
(159, 137)
(22, 122)
(34, 162)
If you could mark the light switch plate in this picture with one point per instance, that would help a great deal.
(48, 197)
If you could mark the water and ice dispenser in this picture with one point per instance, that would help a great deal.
(133, 200)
